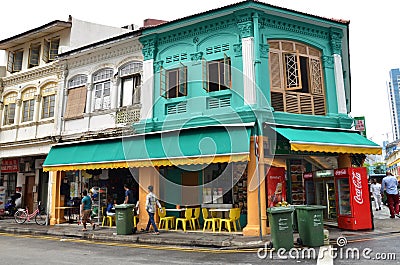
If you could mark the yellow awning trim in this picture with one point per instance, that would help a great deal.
(310, 147)
(394, 162)
(153, 163)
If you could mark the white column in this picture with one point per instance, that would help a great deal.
(89, 99)
(147, 90)
(114, 94)
(340, 92)
(248, 71)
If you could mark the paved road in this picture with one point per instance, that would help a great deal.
(28, 249)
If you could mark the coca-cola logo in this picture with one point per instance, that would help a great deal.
(356, 179)
(340, 172)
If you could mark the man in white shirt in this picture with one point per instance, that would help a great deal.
(376, 193)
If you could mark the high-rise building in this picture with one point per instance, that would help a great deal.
(394, 101)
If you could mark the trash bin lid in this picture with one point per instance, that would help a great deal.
(124, 206)
(311, 207)
(280, 209)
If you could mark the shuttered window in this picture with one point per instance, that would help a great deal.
(76, 102)
(296, 78)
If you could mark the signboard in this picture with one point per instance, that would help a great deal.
(9, 165)
(276, 186)
(2, 198)
(360, 125)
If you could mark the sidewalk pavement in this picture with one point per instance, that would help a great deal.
(383, 225)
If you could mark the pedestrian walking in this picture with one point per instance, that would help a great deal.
(376, 193)
(151, 203)
(389, 185)
(86, 210)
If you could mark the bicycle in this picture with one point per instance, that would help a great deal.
(23, 215)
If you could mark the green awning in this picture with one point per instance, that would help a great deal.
(329, 141)
(205, 145)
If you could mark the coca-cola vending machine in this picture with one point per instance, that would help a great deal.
(352, 198)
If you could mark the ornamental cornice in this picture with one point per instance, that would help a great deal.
(336, 36)
(296, 28)
(48, 70)
(104, 55)
(196, 56)
(328, 61)
(196, 31)
(149, 48)
(157, 66)
(264, 50)
(237, 49)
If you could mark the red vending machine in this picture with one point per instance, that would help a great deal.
(352, 198)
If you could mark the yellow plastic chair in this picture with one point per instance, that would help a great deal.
(237, 218)
(165, 221)
(209, 220)
(108, 219)
(135, 220)
(229, 221)
(195, 218)
(185, 220)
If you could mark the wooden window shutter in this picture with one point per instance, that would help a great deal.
(163, 82)
(182, 79)
(46, 48)
(275, 67)
(10, 62)
(76, 102)
(204, 74)
(292, 71)
(227, 71)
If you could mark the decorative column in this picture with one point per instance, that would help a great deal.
(89, 88)
(18, 104)
(147, 88)
(344, 160)
(254, 187)
(245, 26)
(147, 176)
(336, 45)
(36, 110)
(56, 215)
(114, 93)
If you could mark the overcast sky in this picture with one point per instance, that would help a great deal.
(373, 36)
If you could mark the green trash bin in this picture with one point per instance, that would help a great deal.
(280, 221)
(310, 225)
(124, 219)
(294, 219)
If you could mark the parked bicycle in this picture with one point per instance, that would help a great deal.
(23, 215)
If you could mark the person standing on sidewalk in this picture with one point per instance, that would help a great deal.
(389, 185)
(86, 210)
(376, 193)
(151, 202)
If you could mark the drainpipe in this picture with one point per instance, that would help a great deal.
(256, 129)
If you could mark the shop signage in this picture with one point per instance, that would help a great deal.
(9, 165)
(360, 125)
(276, 186)
(356, 178)
(324, 173)
(308, 175)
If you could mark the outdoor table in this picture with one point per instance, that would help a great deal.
(222, 210)
(69, 211)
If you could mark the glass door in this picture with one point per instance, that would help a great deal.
(343, 191)
(330, 186)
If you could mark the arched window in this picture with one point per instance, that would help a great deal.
(296, 78)
(76, 98)
(102, 89)
(48, 100)
(130, 75)
(28, 104)
(9, 108)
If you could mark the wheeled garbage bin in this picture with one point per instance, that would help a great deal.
(310, 225)
(280, 221)
(124, 219)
